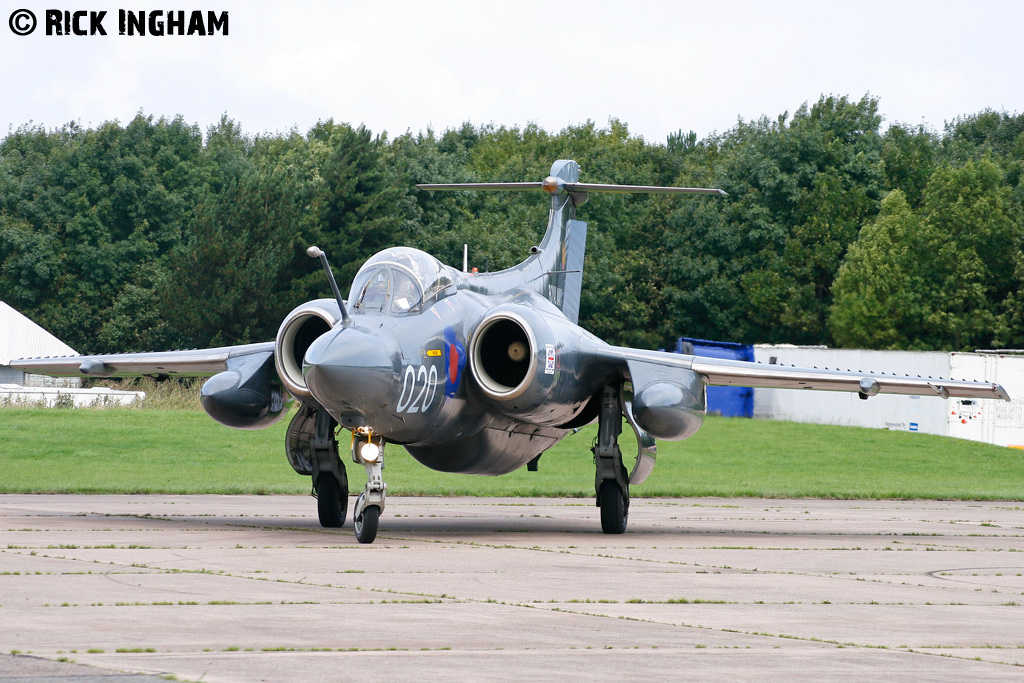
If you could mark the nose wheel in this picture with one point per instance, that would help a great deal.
(366, 520)
(368, 451)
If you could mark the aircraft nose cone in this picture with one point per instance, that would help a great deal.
(348, 370)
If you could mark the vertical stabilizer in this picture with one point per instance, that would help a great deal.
(564, 245)
(572, 287)
(555, 267)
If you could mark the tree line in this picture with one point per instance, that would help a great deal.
(156, 234)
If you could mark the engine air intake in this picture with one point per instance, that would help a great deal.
(298, 332)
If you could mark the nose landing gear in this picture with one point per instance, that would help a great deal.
(313, 451)
(368, 451)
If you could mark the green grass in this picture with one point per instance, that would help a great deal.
(128, 450)
(183, 451)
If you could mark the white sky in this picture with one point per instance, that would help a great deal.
(395, 65)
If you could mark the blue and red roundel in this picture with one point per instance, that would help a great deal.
(454, 362)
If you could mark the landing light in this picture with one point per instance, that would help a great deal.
(369, 452)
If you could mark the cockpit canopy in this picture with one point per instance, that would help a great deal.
(400, 280)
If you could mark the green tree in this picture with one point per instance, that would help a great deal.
(759, 265)
(908, 160)
(934, 278)
(879, 289)
(360, 205)
(232, 280)
(99, 208)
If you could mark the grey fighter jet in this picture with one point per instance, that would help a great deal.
(476, 373)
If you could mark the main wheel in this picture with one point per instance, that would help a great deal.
(366, 524)
(331, 500)
(614, 508)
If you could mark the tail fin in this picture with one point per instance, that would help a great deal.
(564, 245)
(555, 267)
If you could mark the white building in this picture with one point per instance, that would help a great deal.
(22, 338)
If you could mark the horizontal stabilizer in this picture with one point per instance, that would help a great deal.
(479, 186)
(647, 189)
(553, 185)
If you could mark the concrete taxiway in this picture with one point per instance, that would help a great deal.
(250, 588)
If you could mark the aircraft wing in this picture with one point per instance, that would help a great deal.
(192, 363)
(722, 372)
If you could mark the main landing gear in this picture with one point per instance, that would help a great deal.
(611, 481)
(330, 480)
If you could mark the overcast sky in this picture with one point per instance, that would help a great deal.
(397, 66)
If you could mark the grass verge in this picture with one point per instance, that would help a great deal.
(183, 451)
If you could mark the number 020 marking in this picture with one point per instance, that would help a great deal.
(423, 379)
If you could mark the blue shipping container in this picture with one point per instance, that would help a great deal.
(727, 401)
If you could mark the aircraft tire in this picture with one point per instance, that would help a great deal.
(366, 524)
(614, 511)
(331, 501)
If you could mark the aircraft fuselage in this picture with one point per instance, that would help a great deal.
(406, 378)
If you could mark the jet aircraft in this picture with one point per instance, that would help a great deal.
(478, 373)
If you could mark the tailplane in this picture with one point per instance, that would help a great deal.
(555, 266)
